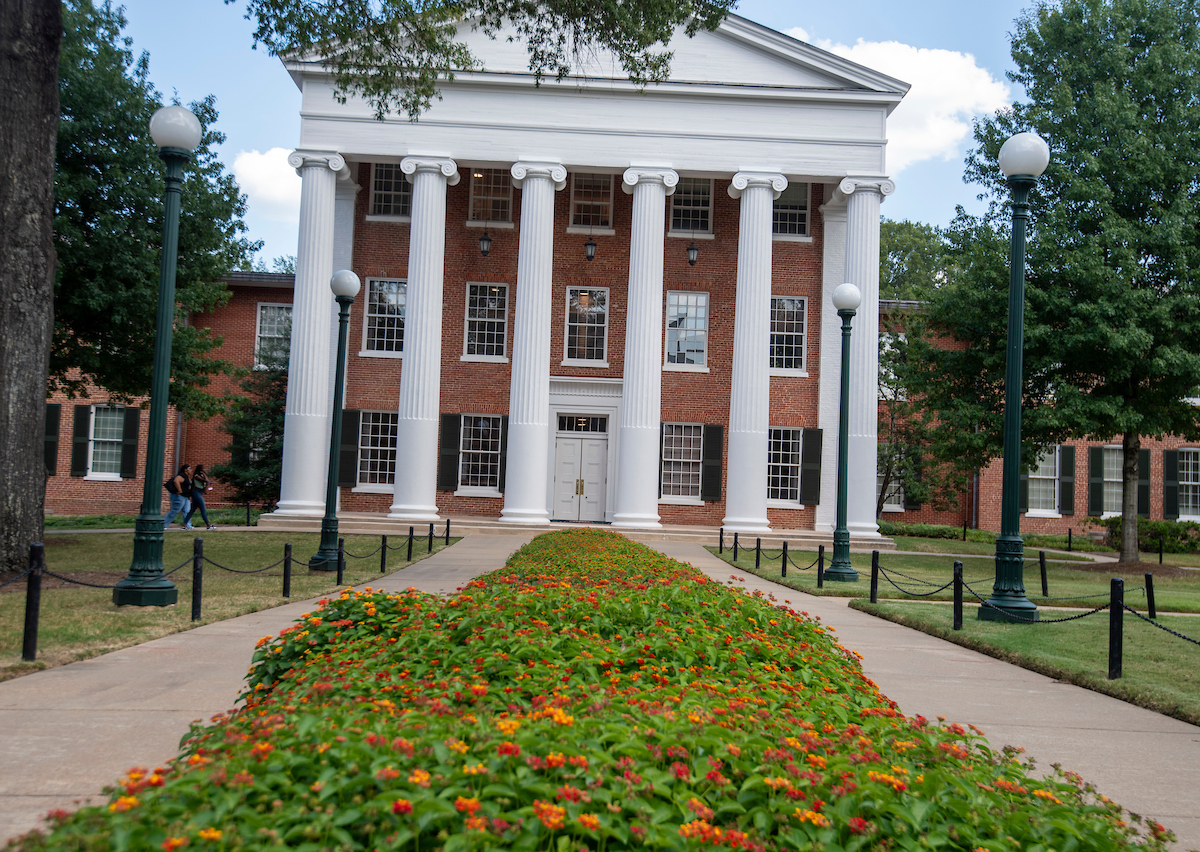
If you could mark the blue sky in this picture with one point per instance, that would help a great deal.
(955, 54)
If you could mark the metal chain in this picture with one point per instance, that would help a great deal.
(1160, 627)
(236, 571)
(366, 555)
(24, 573)
(883, 571)
(1087, 597)
(914, 579)
(126, 586)
(1008, 614)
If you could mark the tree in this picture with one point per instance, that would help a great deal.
(1112, 320)
(912, 260)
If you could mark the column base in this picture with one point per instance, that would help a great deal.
(524, 516)
(300, 508)
(632, 521)
(870, 530)
(746, 525)
(428, 514)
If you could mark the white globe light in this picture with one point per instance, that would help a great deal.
(344, 283)
(176, 127)
(847, 297)
(1024, 154)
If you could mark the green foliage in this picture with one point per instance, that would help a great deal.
(108, 225)
(912, 260)
(1176, 536)
(394, 53)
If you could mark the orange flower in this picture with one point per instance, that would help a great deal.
(419, 777)
(386, 774)
(476, 823)
(173, 843)
(210, 834)
(550, 814)
(124, 803)
(467, 806)
(811, 816)
(589, 821)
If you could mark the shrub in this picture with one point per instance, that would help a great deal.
(591, 695)
(1176, 536)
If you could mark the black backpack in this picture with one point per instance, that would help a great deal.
(171, 487)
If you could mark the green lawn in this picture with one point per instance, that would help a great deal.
(232, 516)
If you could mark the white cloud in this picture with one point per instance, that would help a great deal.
(270, 184)
(948, 90)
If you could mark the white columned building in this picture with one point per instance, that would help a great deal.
(526, 500)
(641, 395)
(306, 418)
(749, 405)
(414, 497)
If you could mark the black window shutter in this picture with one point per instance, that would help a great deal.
(1170, 483)
(911, 505)
(1096, 481)
(448, 453)
(810, 467)
(129, 442)
(503, 451)
(1023, 492)
(348, 449)
(710, 463)
(1066, 480)
(53, 420)
(79, 440)
(662, 442)
(1143, 494)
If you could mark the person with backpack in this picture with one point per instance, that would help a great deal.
(200, 484)
(180, 488)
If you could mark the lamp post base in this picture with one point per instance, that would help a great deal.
(1008, 594)
(999, 609)
(145, 585)
(326, 557)
(840, 570)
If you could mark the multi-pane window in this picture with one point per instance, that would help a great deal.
(582, 423)
(893, 501)
(391, 193)
(487, 319)
(108, 427)
(1043, 482)
(691, 205)
(1189, 482)
(479, 452)
(591, 200)
(377, 447)
(384, 328)
(587, 324)
(273, 336)
(1112, 479)
(788, 315)
(491, 195)
(682, 461)
(687, 328)
(791, 211)
(783, 465)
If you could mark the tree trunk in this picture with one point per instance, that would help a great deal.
(30, 39)
(1129, 498)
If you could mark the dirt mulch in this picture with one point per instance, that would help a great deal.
(1133, 570)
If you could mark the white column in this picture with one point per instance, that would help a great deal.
(306, 418)
(749, 398)
(863, 197)
(636, 503)
(833, 274)
(343, 258)
(415, 493)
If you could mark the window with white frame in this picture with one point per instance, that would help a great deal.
(687, 328)
(591, 200)
(791, 211)
(487, 321)
(1112, 479)
(587, 324)
(893, 501)
(682, 459)
(383, 331)
(377, 447)
(789, 315)
(783, 465)
(272, 337)
(1189, 483)
(691, 206)
(391, 193)
(105, 441)
(491, 195)
(479, 452)
(1043, 483)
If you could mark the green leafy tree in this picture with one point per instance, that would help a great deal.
(912, 260)
(1112, 317)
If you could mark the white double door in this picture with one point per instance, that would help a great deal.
(580, 478)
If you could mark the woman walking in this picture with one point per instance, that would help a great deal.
(199, 486)
(180, 488)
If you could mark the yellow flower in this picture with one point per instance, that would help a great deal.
(210, 834)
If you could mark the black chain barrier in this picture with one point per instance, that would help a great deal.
(911, 578)
(365, 555)
(884, 572)
(1007, 614)
(50, 573)
(236, 571)
(20, 576)
(1160, 627)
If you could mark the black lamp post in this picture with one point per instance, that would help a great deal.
(177, 132)
(1023, 158)
(589, 249)
(485, 244)
(693, 253)
(345, 286)
(846, 299)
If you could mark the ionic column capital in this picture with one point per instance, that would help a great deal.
(556, 173)
(444, 166)
(301, 159)
(649, 174)
(742, 181)
(852, 184)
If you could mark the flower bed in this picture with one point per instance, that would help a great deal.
(592, 695)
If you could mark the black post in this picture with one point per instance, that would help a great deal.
(1042, 565)
(721, 540)
(958, 596)
(820, 566)
(1116, 609)
(383, 555)
(287, 570)
(874, 576)
(341, 565)
(1150, 595)
(1160, 551)
(735, 547)
(429, 549)
(783, 561)
(964, 529)
(757, 553)
(447, 532)
(197, 577)
(1068, 539)
(247, 513)
(410, 543)
(33, 600)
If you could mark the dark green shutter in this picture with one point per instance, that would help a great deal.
(1143, 494)
(1096, 481)
(129, 442)
(1170, 484)
(1066, 480)
(448, 453)
(1023, 491)
(503, 452)
(711, 446)
(810, 467)
(348, 449)
(79, 440)
(911, 505)
(53, 421)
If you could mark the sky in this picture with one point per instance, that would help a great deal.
(954, 54)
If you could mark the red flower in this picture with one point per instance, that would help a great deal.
(402, 806)
(858, 825)
(681, 770)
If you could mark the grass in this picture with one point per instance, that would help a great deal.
(229, 516)
(1069, 583)
(80, 622)
(1160, 672)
